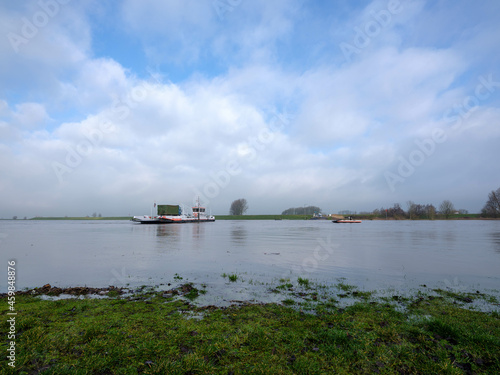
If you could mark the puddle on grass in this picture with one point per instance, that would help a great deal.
(303, 294)
(223, 293)
(61, 296)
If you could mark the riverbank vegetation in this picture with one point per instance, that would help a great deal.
(309, 210)
(363, 215)
(263, 217)
(415, 211)
(83, 218)
(310, 332)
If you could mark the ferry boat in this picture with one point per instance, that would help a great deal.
(347, 220)
(173, 214)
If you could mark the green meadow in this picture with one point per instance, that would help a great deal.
(263, 217)
(83, 218)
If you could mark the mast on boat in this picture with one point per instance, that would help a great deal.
(198, 208)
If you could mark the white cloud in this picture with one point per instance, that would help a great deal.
(30, 115)
(386, 93)
(246, 89)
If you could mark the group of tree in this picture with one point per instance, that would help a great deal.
(393, 212)
(492, 206)
(446, 209)
(309, 210)
(418, 211)
(238, 207)
(415, 210)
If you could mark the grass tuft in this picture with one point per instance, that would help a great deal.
(303, 282)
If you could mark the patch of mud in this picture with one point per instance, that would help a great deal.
(49, 290)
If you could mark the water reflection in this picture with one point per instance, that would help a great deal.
(198, 229)
(495, 239)
(374, 253)
(239, 234)
(166, 230)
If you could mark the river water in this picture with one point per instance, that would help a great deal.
(373, 255)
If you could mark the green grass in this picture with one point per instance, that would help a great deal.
(262, 217)
(84, 218)
(345, 287)
(231, 277)
(285, 286)
(155, 335)
(303, 282)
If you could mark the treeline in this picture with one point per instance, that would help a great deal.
(446, 209)
(309, 210)
(415, 211)
(420, 211)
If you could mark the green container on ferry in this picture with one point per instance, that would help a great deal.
(168, 209)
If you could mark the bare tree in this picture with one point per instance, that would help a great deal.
(396, 212)
(430, 211)
(411, 209)
(446, 208)
(492, 206)
(238, 207)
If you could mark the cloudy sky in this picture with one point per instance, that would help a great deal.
(108, 106)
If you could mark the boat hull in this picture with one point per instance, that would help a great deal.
(170, 219)
(346, 221)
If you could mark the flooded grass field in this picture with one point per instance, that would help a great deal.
(151, 332)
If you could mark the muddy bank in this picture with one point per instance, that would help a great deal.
(49, 290)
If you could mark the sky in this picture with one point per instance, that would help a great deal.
(110, 106)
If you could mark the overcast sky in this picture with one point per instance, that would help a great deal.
(109, 106)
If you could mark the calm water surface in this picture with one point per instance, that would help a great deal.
(375, 254)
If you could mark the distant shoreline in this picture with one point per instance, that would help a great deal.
(81, 218)
(267, 217)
